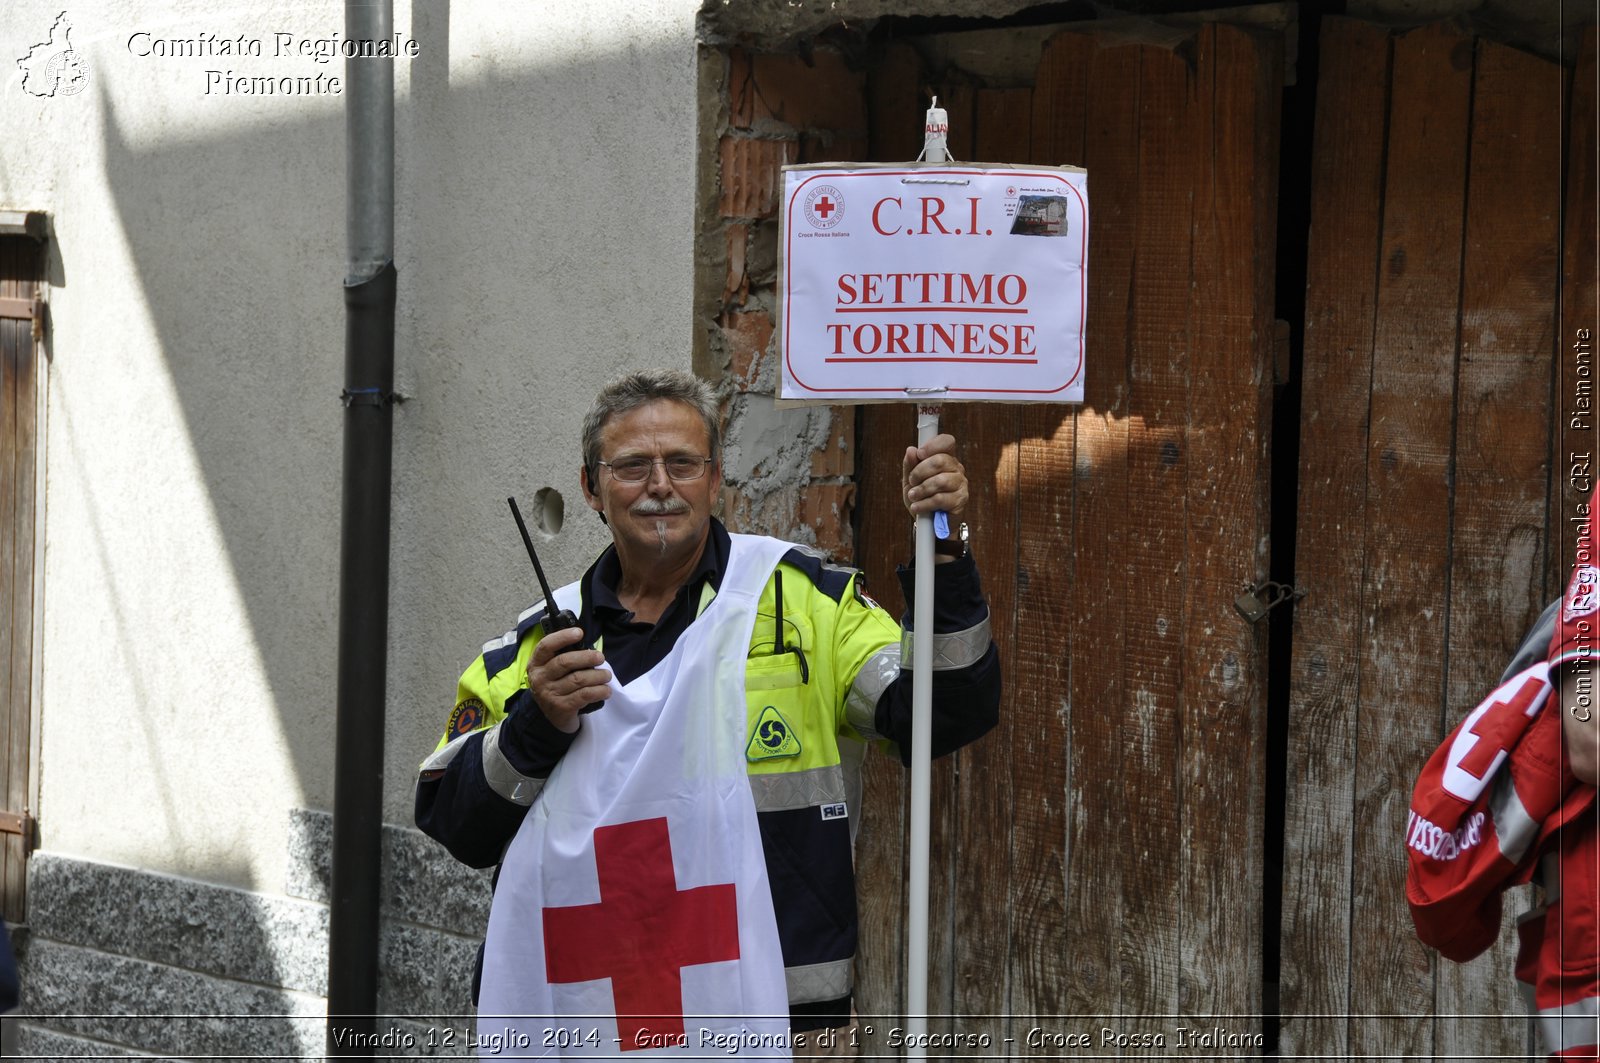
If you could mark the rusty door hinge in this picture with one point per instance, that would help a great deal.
(18, 823)
(25, 310)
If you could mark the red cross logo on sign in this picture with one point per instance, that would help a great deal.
(643, 932)
(824, 206)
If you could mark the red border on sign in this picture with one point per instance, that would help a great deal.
(1083, 280)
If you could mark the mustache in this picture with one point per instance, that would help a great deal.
(657, 507)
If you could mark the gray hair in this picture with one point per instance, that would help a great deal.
(634, 390)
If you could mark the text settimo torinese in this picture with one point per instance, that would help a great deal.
(930, 291)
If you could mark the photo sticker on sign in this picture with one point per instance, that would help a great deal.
(1040, 216)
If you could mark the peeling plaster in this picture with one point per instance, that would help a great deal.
(770, 447)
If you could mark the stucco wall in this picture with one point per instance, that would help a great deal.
(192, 444)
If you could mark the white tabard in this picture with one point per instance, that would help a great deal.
(633, 912)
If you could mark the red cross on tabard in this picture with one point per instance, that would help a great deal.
(1497, 727)
(825, 207)
(643, 932)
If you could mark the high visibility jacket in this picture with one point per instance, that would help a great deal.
(809, 716)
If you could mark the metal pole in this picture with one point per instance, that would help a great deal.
(370, 293)
(921, 766)
(935, 129)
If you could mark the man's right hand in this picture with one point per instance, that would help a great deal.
(563, 680)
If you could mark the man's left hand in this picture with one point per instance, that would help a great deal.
(932, 479)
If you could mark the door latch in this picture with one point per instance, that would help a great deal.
(1259, 599)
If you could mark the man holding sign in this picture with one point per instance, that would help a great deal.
(676, 864)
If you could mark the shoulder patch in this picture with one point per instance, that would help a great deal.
(773, 738)
(467, 717)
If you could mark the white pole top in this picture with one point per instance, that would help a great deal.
(936, 134)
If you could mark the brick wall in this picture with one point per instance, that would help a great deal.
(789, 471)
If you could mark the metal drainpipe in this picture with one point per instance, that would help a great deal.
(370, 287)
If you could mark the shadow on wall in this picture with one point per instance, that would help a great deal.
(517, 240)
(515, 245)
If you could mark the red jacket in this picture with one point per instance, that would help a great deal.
(1497, 806)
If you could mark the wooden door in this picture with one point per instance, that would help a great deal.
(21, 261)
(1438, 382)
(1100, 854)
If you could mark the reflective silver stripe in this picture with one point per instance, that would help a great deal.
(1514, 829)
(953, 649)
(1575, 1025)
(510, 638)
(798, 789)
(503, 779)
(440, 758)
(819, 981)
(861, 704)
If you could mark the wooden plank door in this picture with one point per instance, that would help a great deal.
(1100, 853)
(1427, 503)
(21, 261)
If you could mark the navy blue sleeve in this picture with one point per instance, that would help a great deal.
(966, 701)
(457, 807)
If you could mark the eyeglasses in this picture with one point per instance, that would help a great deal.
(680, 468)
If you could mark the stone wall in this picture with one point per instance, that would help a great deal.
(115, 958)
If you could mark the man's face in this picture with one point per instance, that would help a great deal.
(660, 517)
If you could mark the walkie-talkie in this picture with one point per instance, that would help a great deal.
(554, 619)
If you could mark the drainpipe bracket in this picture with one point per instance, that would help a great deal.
(370, 397)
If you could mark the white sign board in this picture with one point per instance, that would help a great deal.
(934, 283)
